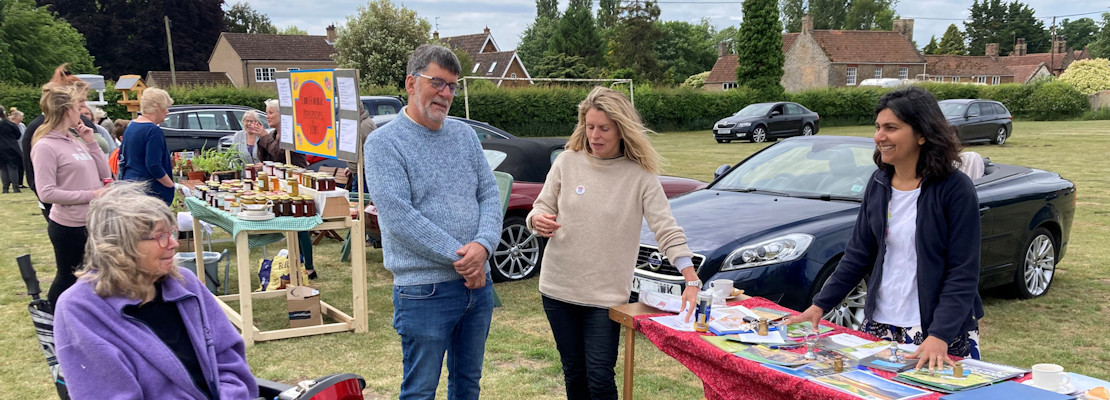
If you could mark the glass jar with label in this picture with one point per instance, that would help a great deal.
(298, 206)
(294, 187)
(309, 207)
(286, 206)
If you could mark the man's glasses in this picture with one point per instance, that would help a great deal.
(165, 239)
(439, 83)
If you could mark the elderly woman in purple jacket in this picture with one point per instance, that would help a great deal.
(135, 326)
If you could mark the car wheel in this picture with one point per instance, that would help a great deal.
(724, 141)
(1037, 263)
(759, 134)
(518, 255)
(807, 130)
(1000, 136)
(849, 312)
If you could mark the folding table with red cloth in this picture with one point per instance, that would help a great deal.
(728, 377)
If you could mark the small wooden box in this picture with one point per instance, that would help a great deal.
(331, 204)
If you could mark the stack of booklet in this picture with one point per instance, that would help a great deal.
(870, 354)
(976, 373)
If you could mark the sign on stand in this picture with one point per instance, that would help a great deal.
(320, 112)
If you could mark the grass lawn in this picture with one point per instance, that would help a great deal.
(1066, 326)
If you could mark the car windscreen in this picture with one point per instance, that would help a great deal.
(804, 169)
(754, 110)
(952, 110)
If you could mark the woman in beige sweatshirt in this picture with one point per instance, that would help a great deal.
(591, 208)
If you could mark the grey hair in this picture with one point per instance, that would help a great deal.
(249, 114)
(272, 103)
(430, 53)
(154, 99)
(118, 219)
(97, 113)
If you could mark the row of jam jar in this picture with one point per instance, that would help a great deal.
(285, 205)
(285, 174)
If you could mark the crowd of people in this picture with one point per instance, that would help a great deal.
(128, 321)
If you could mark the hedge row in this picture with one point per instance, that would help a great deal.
(551, 111)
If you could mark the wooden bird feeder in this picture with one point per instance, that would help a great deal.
(130, 84)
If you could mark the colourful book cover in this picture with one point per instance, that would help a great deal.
(869, 386)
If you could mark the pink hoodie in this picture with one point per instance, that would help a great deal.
(67, 171)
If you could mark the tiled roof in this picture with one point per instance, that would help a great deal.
(724, 70)
(788, 41)
(950, 65)
(257, 46)
(1056, 60)
(471, 44)
(484, 60)
(189, 78)
(1022, 73)
(867, 47)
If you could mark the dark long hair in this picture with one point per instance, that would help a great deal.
(918, 108)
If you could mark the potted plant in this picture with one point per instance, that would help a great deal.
(223, 164)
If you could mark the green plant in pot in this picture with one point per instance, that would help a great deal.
(223, 164)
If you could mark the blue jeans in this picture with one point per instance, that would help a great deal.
(440, 318)
(587, 341)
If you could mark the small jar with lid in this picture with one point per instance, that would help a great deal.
(286, 206)
(298, 206)
(329, 183)
(275, 183)
(264, 181)
(294, 187)
(309, 207)
(276, 202)
(268, 167)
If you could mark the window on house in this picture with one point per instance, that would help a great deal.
(954, 79)
(938, 79)
(979, 79)
(513, 75)
(293, 69)
(491, 67)
(264, 74)
(903, 73)
(728, 85)
(851, 81)
(475, 70)
(878, 72)
(996, 80)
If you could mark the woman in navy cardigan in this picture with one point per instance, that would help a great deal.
(917, 235)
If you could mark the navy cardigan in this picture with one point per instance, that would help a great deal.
(948, 241)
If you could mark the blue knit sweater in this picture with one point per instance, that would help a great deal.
(435, 193)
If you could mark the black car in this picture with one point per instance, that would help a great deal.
(778, 223)
(762, 121)
(196, 127)
(382, 105)
(979, 120)
(485, 131)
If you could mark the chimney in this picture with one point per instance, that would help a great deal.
(904, 27)
(807, 24)
(1060, 45)
(486, 31)
(992, 50)
(435, 35)
(1020, 47)
(331, 33)
(722, 49)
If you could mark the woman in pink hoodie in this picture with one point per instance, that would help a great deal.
(69, 172)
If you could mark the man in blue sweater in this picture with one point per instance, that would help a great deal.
(440, 215)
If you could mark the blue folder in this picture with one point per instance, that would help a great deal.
(1009, 390)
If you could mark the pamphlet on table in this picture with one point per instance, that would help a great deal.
(869, 386)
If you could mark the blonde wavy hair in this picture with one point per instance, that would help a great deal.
(55, 102)
(634, 142)
(153, 100)
(118, 220)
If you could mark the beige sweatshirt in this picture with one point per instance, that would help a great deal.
(601, 205)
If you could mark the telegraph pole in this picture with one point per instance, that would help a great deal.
(169, 47)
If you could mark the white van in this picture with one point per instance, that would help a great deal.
(882, 82)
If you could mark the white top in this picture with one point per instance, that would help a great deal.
(896, 302)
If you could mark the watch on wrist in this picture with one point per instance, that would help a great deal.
(696, 284)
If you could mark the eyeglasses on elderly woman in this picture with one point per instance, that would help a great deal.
(165, 239)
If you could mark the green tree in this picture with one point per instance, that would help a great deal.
(984, 25)
(696, 81)
(634, 39)
(241, 18)
(1100, 47)
(378, 40)
(1088, 76)
(1080, 32)
(952, 42)
(828, 14)
(791, 12)
(1023, 24)
(870, 15)
(33, 42)
(536, 40)
(992, 21)
(562, 66)
(727, 35)
(129, 37)
(608, 13)
(576, 34)
(687, 48)
(759, 47)
(292, 30)
(548, 9)
(930, 48)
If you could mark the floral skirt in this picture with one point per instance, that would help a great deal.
(964, 345)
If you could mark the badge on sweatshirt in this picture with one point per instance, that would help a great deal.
(580, 189)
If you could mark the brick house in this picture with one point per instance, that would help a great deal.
(968, 69)
(187, 78)
(1056, 60)
(829, 58)
(251, 59)
(1026, 73)
(489, 60)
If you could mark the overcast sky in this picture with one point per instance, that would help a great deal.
(507, 19)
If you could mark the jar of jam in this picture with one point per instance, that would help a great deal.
(228, 200)
(264, 181)
(276, 202)
(268, 167)
(286, 206)
(294, 187)
(298, 206)
(249, 172)
(329, 183)
(275, 184)
(309, 207)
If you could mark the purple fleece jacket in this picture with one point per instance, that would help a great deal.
(106, 354)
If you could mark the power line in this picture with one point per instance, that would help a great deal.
(904, 17)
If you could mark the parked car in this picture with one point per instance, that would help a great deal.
(382, 105)
(884, 82)
(485, 131)
(201, 126)
(979, 120)
(778, 223)
(528, 160)
(767, 121)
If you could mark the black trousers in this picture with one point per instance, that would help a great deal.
(69, 251)
(587, 341)
(9, 175)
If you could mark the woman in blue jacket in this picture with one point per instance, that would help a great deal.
(918, 236)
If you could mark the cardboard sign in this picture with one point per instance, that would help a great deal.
(314, 125)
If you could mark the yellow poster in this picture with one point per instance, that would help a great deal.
(314, 112)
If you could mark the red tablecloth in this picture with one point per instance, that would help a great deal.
(728, 377)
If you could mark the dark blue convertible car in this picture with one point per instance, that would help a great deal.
(778, 222)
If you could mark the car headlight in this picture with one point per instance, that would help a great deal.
(781, 249)
(743, 124)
